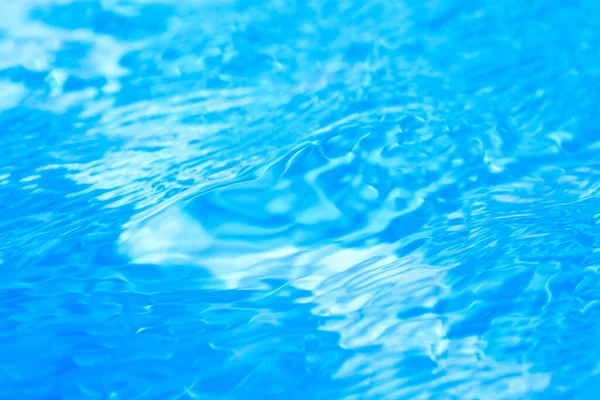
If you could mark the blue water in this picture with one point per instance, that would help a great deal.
(236, 199)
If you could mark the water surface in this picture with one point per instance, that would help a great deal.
(319, 199)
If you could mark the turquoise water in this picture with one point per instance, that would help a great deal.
(299, 200)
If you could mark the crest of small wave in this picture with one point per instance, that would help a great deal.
(307, 199)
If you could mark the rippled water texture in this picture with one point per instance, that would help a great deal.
(299, 200)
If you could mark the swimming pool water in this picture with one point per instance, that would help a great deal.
(239, 199)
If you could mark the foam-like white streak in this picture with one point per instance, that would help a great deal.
(11, 94)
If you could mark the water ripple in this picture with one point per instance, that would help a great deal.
(322, 199)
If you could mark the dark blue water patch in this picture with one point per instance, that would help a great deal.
(71, 54)
(140, 63)
(412, 363)
(151, 19)
(74, 83)
(35, 80)
(251, 62)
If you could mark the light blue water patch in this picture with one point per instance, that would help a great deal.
(289, 200)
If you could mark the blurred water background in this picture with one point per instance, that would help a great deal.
(299, 199)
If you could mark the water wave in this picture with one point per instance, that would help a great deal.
(332, 199)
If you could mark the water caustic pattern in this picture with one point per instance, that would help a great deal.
(320, 199)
